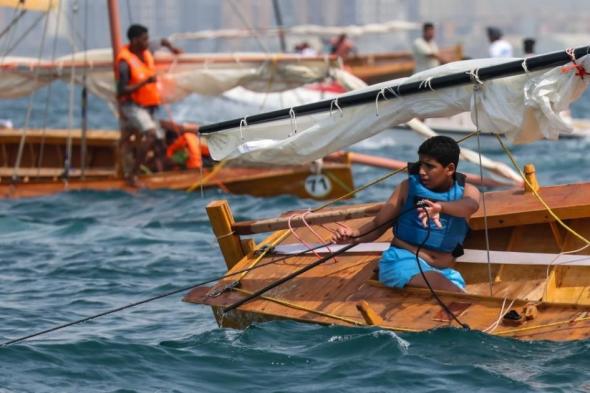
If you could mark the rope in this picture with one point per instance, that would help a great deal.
(342, 184)
(303, 308)
(477, 88)
(335, 103)
(25, 34)
(381, 93)
(253, 31)
(130, 305)
(426, 84)
(524, 329)
(49, 89)
(293, 122)
(549, 210)
(68, 158)
(21, 145)
(202, 181)
(13, 22)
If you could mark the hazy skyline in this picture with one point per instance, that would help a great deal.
(555, 24)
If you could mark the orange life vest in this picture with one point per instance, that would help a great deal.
(191, 143)
(147, 95)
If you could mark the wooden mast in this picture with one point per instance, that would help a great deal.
(115, 27)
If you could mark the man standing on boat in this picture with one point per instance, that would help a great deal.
(139, 98)
(429, 212)
(498, 46)
(425, 49)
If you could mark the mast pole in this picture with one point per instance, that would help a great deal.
(514, 67)
(115, 26)
(279, 18)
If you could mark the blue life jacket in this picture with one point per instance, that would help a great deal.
(409, 228)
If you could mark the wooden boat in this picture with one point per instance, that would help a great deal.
(379, 67)
(536, 292)
(41, 170)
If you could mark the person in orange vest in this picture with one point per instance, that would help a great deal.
(139, 99)
(187, 151)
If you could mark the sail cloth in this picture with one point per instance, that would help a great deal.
(302, 30)
(32, 5)
(178, 76)
(524, 107)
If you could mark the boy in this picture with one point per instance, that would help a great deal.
(442, 192)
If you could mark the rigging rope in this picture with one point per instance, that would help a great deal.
(13, 22)
(23, 137)
(478, 85)
(49, 89)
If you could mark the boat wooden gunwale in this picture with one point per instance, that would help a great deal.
(101, 171)
(552, 299)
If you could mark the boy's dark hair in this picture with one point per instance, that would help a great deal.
(427, 25)
(135, 31)
(442, 148)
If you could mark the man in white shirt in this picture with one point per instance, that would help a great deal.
(425, 49)
(498, 46)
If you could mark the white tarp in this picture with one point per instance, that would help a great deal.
(524, 107)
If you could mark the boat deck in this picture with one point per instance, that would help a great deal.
(552, 295)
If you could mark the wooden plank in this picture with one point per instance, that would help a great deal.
(221, 220)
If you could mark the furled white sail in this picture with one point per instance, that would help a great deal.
(524, 107)
(302, 30)
(178, 76)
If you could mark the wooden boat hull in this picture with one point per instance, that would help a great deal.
(259, 182)
(44, 153)
(381, 67)
(549, 294)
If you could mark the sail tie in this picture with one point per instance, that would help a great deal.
(474, 76)
(333, 104)
(243, 125)
(524, 66)
(426, 84)
(293, 122)
(381, 93)
(580, 70)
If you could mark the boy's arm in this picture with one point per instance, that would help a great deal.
(465, 206)
(377, 226)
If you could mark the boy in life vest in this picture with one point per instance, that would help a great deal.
(139, 98)
(434, 203)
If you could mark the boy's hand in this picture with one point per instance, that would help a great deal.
(433, 209)
(344, 235)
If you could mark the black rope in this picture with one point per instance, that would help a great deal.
(258, 293)
(341, 251)
(432, 291)
(160, 296)
(13, 22)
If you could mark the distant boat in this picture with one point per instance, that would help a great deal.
(44, 161)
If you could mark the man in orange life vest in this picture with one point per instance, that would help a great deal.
(139, 98)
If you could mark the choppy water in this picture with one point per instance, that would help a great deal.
(72, 255)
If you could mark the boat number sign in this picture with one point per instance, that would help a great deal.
(318, 186)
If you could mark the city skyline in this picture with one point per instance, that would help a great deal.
(555, 25)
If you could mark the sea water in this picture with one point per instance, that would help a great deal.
(68, 256)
